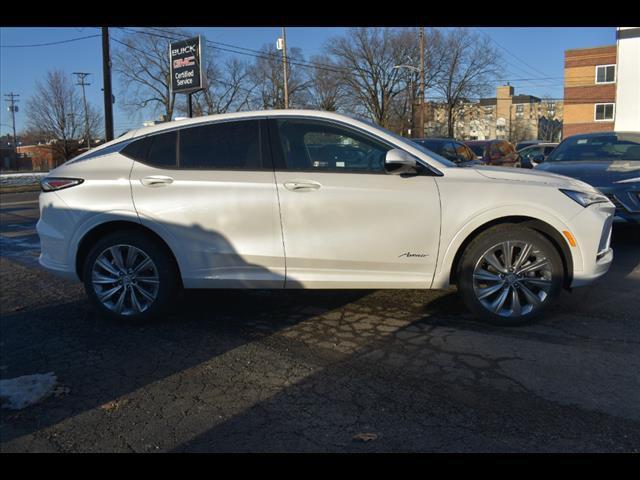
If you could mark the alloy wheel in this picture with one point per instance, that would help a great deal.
(512, 278)
(125, 279)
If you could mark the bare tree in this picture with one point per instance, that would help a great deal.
(226, 89)
(549, 125)
(267, 76)
(326, 90)
(142, 60)
(469, 66)
(55, 112)
(408, 103)
(366, 57)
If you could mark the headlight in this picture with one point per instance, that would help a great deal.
(585, 198)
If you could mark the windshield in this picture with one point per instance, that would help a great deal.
(602, 147)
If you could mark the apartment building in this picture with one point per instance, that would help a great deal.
(590, 76)
(506, 116)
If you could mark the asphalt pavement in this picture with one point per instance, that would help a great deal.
(320, 371)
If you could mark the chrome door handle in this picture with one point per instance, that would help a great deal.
(302, 185)
(156, 181)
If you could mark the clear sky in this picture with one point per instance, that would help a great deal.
(533, 57)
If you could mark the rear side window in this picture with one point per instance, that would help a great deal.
(138, 149)
(229, 145)
(163, 149)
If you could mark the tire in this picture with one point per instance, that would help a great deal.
(503, 297)
(142, 296)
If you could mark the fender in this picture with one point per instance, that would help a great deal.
(94, 220)
(450, 246)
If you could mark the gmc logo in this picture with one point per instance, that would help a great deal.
(184, 62)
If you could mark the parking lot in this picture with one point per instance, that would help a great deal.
(268, 371)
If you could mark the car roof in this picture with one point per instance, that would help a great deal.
(601, 134)
(541, 144)
(435, 139)
(240, 116)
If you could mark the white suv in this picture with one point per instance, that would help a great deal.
(308, 199)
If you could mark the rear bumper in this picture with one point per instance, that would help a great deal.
(62, 271)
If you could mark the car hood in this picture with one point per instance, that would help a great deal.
(532, 176)
(600, 174)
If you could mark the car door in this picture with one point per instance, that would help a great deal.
(346, 222)
(209, 191)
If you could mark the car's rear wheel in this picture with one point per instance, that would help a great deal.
(510, 274)
(129, 276)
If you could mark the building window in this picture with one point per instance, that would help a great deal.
(605, 73)
(604, 111)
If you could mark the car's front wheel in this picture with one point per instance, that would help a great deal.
(129, 276)
(509, 274)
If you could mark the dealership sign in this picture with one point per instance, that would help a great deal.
(185, 65)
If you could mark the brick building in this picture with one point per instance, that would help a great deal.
(590, 76)
(43, 157)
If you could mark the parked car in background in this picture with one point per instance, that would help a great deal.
(450, 149)
(309, 199)
(526, 143)
(610, 161)
(533, 155)
(494, 152)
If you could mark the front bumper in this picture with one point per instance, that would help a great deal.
(592, 230)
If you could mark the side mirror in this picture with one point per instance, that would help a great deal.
(398, 162)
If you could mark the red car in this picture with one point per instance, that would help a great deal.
(494, 152)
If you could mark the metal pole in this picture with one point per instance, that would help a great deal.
(422, 85)
(81, 82)
(106, 79)
(284, 63)
(12, 99)
(189, 106)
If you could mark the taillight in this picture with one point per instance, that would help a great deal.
(50, 184)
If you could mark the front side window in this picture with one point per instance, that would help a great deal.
(227, 145)
(463, 153)
(605, 73)
(311, 145)
(449, 151)
(604, 111)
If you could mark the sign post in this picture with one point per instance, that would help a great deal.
(185, 66)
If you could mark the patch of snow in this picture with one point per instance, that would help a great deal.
(18, 393)
(22, 178)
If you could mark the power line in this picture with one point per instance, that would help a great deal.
(256, 53)
(532, 69)
(51, 43)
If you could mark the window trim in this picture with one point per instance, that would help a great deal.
(595, 110)
(615, 73)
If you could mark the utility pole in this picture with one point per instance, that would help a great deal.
(12, 99)
(106, 78)
(421, 33)
(81, 76)
(284, 63)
